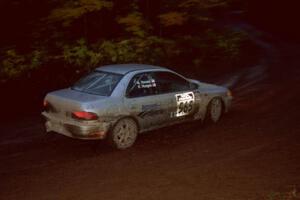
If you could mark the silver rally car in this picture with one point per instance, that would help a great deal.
(119, 101)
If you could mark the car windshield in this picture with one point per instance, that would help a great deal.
(98, 83)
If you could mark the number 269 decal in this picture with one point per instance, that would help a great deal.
(185, 103)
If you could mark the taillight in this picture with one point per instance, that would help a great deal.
(84, 115)
(45, 103)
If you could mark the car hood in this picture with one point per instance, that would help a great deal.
(208, 86)
(211, 87)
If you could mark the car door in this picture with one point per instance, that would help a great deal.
(180, 93)
(146, 103)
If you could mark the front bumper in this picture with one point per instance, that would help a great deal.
(228, 103)
(76, 129)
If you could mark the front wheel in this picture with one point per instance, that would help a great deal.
(214, 110)
(123, 134)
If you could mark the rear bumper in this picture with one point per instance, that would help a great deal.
(76, 129)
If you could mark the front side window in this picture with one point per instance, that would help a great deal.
(141, 85)
(169, 82)
(98, 83)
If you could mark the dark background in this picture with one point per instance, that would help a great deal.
(278, 17)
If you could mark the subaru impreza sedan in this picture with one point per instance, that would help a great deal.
(117, 102)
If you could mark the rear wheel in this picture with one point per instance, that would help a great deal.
(214, 110)
(123, 134)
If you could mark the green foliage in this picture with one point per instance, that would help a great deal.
(290, 195)
(98, 32)
(36, 59)
(134, 23)
(173, 18)
(14, 64)
(188, 10)
(228, 43)
(75, 9)
(203, 4)
(134, 50)
(80, 55)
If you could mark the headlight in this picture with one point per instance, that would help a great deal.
(229, 93)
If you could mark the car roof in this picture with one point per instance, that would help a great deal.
(126, 68)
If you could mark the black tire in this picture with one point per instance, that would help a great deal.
(214, 110)
(123, 134)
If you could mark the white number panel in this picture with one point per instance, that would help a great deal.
(185, 103)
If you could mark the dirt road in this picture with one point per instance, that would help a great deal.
(251, 153)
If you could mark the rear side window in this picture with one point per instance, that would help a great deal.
(170, 82)
(98, 83)
(141, 85)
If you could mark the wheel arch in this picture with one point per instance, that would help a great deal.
(126, 117)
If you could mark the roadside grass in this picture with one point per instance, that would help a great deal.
(292, 194)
